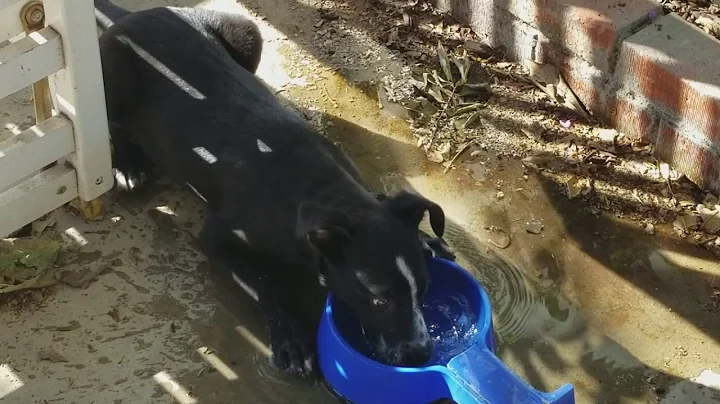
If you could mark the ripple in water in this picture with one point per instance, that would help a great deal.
(514, 302)
(452, 326)
(268, 373)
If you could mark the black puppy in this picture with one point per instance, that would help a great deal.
(285, 210)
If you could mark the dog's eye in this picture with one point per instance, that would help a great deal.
(379, 302)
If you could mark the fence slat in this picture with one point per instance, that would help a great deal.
(35, 197)
(29, 60)
(36, 147)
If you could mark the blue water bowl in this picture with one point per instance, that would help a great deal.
(463, 366)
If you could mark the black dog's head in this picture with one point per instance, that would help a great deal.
(375, 264)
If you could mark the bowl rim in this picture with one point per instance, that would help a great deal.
(484, 321)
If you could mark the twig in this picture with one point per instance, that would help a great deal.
(592, 153)
(455, 157)
(330, 98)
(672, 194)
(440, 118)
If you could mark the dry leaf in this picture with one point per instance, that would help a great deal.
(574, 186)
(444, 62)
(687, 222)
(710, 218)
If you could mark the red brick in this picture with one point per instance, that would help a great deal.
(700, 164)
(674, 67)
(588, 83)
(589, 29)
(635, 122)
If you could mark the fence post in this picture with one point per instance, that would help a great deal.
(78, 92)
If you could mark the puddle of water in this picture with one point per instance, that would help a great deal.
(239, 339)
(477, 170)
(519, 310)
(660, 265)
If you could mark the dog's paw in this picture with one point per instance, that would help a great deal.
(292, 352)
(129, 179)
(436, 247)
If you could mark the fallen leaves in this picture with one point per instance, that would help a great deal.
(576, 186)
(27, 263)
(710, 218)
(548, 78)
(447, 97)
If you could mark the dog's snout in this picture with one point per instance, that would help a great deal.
(416, 354)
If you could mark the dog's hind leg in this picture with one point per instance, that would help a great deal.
(293, 349)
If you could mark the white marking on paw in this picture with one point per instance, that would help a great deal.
(322, 281)
(308, 364)
(421, 332)
(250, 291)
(205, 154)
(120, 179)
(263, 147)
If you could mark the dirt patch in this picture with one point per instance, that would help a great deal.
(468, 107)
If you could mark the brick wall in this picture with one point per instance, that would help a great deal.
(654, 77)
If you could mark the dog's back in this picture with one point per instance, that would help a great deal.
(175, 97)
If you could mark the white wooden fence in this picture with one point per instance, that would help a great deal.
(67, 153)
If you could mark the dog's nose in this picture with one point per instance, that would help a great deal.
(417, 354)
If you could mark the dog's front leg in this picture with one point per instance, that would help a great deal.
(130, 164)
(293, 350)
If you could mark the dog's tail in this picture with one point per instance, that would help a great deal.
(107, 13)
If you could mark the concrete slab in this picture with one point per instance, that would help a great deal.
(590, 300)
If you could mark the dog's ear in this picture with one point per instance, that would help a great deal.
(411, 208)
(325, 229)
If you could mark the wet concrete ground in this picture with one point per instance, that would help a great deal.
(592, 300)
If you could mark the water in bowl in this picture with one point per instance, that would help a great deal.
(452, 325)
(449, 317)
